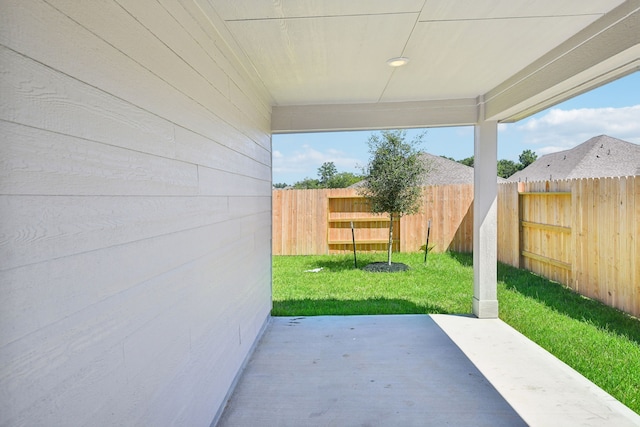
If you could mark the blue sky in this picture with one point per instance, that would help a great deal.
(613, 109)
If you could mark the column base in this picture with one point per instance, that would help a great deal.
(485, 309)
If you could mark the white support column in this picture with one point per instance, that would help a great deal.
(485, 227)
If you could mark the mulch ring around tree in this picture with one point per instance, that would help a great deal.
(383, 267)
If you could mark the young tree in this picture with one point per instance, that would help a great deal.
(393, 177)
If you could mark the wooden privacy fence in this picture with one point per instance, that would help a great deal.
(308, 222)
(584, 233)
(534, 228)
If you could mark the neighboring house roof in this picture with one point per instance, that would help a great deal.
(442, 171)
(600, 156)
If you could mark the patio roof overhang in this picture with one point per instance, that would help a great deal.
(323, 66)
(323, 63)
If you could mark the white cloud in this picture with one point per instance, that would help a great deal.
(306, 160)
(563, 129)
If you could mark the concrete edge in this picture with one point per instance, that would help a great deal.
(240, 371)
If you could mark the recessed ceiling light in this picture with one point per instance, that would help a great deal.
(397, 62)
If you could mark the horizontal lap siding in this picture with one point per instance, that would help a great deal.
(135, 199)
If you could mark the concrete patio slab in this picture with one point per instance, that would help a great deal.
(411, 370)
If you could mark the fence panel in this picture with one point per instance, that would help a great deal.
(450, 209)
(607, 241)
(307, 222)
(588, 241)
(346, 207)
(299, 222)
(545, 229)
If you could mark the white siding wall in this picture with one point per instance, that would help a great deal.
(135, 207)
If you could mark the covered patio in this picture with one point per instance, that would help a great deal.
(335, 66)
(136, 190)
(411, 370)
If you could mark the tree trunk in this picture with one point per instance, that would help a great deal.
(390, 239)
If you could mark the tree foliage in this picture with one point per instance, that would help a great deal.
(326, 172)
(393, 176)
(526, 158)
(467, 162)
(307, 184)
(343, 180)
(506, 168)
(328, 177)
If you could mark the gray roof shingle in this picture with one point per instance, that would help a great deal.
(442, 171)
(600, 156)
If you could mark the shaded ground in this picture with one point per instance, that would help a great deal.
(411, 370)
(383, 267)
(371, 371)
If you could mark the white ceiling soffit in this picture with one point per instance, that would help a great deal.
(516, 56)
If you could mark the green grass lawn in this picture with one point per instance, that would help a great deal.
(598, 341)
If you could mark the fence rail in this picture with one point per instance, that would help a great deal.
(584, 233)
